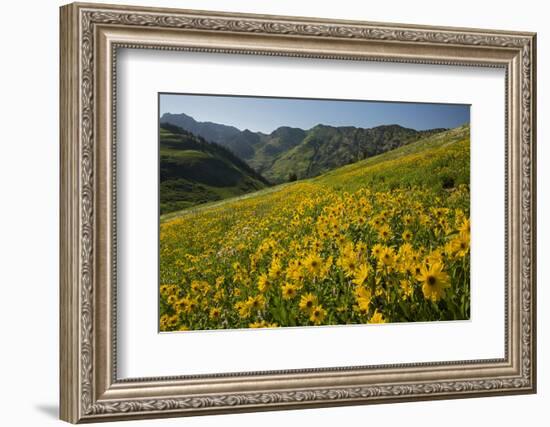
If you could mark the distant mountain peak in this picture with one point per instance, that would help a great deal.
(213, 132)
(322, 126)
(168, 113)
(287, 129)
(167, 116)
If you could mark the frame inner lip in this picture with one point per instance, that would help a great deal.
(342, 370)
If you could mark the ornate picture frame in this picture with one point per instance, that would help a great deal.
(90, 37)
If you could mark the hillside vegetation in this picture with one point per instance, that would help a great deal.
(194, 171)
(385, 239)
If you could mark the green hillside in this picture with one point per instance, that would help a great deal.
(193, 171)
(326, 147)
(271, 146)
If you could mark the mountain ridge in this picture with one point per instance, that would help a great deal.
(294, 153)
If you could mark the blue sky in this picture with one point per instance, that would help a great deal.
(267, 114)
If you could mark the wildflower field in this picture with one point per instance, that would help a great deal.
(382, 240)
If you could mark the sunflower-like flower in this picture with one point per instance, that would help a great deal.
(361, 248)
(172, 299)
(377, 318)
(164, 322)
(434, 281)
(387, 257)
(350, 264)
(256, 303)
(313, 263)
(307, 302)
(243, 309)
(263, 283)
(363, 298)
(317, 314)
(377, 250)
(363, 306)
(407, 235)
(461, 245)
(384, 232)
(215, 313)
(294, 271)
(465, 227)
(180, 305)
(275, 270)
(289, 291)
(362, 274)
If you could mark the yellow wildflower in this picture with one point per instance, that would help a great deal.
(263, 283)
(289, 291)
(215, 313)
(317, 314)
(362, 274)
(307, 302)
(313, 263)
(387, 257)
(407, 235)
(384, 232)
(275, 270)
(434, 281)
(377, 317)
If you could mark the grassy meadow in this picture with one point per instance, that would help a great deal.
(381, 240)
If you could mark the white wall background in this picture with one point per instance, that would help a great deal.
(29, 171)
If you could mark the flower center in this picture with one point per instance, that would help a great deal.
(431, 280)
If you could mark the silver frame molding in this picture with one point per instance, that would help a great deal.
(90, 37)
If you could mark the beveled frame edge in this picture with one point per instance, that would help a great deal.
(88, 390)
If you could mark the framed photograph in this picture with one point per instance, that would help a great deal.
(267, 212)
